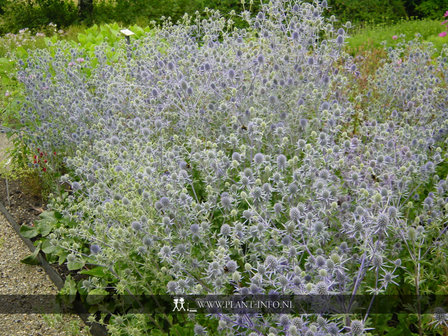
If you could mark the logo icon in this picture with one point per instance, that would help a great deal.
(179, 305)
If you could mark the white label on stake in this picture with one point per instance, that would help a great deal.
(126, 32)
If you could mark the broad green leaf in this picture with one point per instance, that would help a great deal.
(47, 248)
(47, 221)
(99, 39)
(96, 295)
(45, 228)
(82, 38)
(68, 292)
(21, 52)
(52, 39)
(62, 256)
(32, 258)
(114, 34)
(47, 216)
(6, 65)
(28, 231)
(99, 272)
(91, 38)
(75, 265)
(137, 30)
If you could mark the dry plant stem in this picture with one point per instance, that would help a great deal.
(373, 297)
(417, 284)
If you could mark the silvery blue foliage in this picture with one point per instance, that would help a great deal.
(233, 161)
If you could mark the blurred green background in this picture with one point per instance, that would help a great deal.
(35, 14)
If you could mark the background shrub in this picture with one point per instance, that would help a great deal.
(143, 11)
(127, 11)
(369, 11)
(2, 5)
(426, 8)
(36, 14)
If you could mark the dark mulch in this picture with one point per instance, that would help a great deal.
(23, 206)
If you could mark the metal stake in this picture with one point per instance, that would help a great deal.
(7, 193)
(127, 33)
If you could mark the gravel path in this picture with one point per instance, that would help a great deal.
(18, 278)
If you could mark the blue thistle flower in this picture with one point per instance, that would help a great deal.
(95, 249)
(259, 158)
(136, 226)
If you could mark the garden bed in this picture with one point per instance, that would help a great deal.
(201, 159)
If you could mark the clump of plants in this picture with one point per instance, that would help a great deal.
(217, 160)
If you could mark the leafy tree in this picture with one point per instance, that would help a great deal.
(85, 8)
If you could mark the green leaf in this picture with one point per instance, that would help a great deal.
(82, 38)
(46, 222)
(99, 39)
(80, 288)
(62, 256)
(21, 52)
(47, 216)
(28, 231)
(66, 222)
(32, 258)
(47, 248)
(91, 38)
(137, 30)
(96, 296)
(75, 265)
(184, 330)
(99, 272)
(45, 228)
(6, 64)
(68, 292)
(114, 34)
